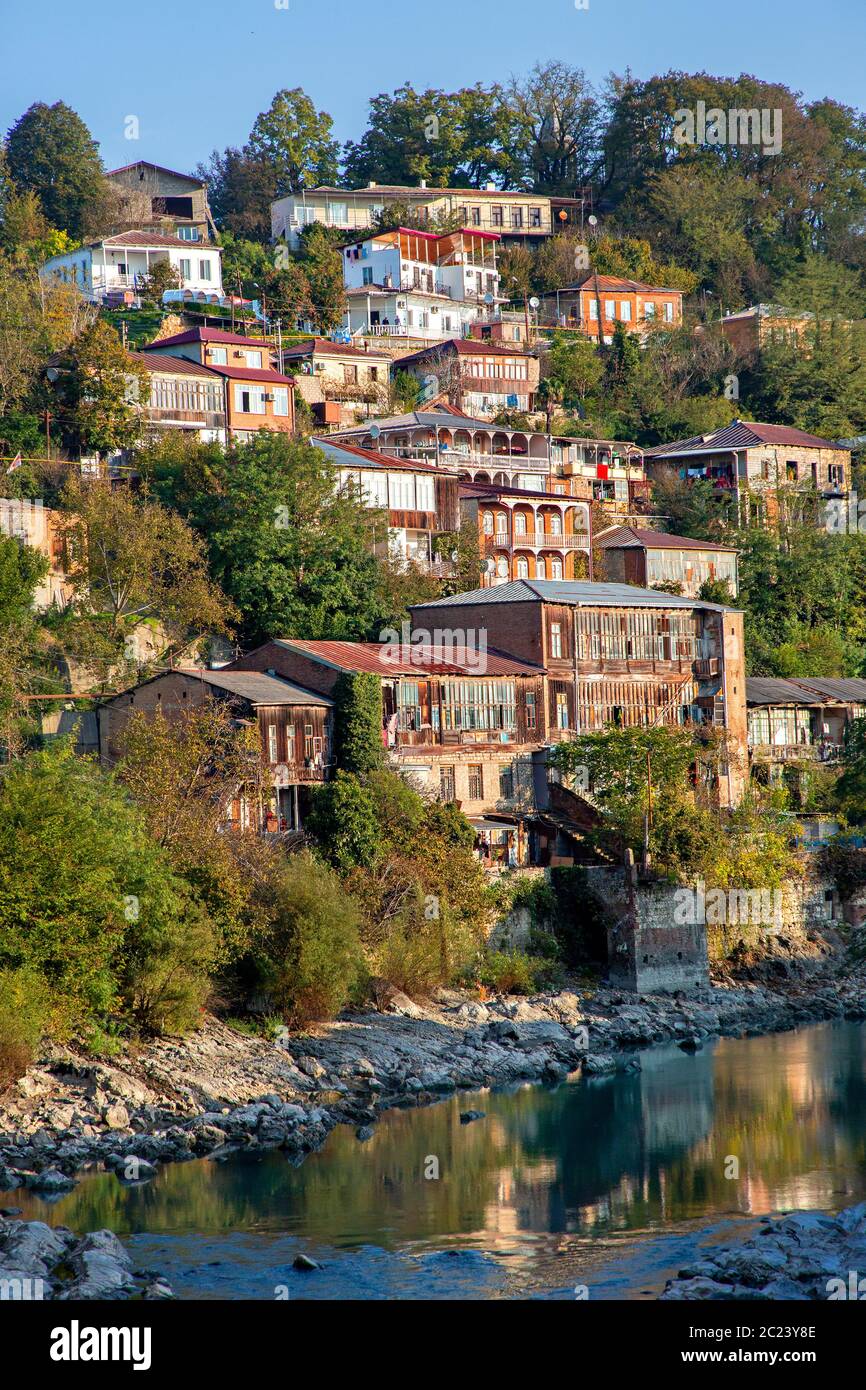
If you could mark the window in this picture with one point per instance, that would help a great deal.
(350, 373)
(290, 743)
(281, 400)
(522, 568)
(204, 271)
(219, 356)
(556, 569)
(487, 523)
(593, 310)
(476, 782)
(517, 218)
(338, 214)
(669, 311)
(561, 710)
(479, 704)
(498, 217)
(272, 743)
(185, 268)
(556, 639)
(530, 710)
(250, 400)
(625, 311)
(506, 782)
(519, 524)
(556, 525)
(610, 308)
(476, 217)
(649, 311)
(187, 234)
(535, 217)
(446, 784)
(791, 471)
(252, 359)
(367, 274)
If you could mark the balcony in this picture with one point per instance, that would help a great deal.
(204, 419)
(538, 540)
(795, 752)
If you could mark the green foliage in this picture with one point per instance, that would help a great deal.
(845, 863)
(51, 152)
(98, 388)
(358, 722)
(343, 821)
(294, 141)
(25, 1007)
(851, 788)
(309, 956)
(511, 972)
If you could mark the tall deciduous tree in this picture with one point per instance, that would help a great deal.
(295, 141)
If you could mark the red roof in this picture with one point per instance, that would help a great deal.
(381, 460)
(375, 657)
(165, 363)
(616, 282)
(638, 538)
(209, 335)
(326, 348)
(740, 434)
(139, 238)
(252, 374)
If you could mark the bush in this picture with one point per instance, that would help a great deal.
(309, 958)
(511, 972)
(25, 1008)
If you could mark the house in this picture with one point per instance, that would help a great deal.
(155, 199)
(527, 534)
(608, 472)
(482, 380)
(761, 467)
(750, 330)
(421, 501)
(339, 382)
(461, 723)
(615, 655)
(184, 396)
(800, 720)
(254, 395)
(524, 218)
(294, 727)
(633, 555)
(115, 264)
(596, 303)
(407, 284)
(40, 527)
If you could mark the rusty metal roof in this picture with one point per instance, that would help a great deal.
(383, 659)
(638, 538)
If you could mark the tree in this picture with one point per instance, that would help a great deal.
(823, 287)
(343, 822)
(21, 569)
(293, 553)
(134, 560)
(99, 389)
(358, 722)
(241, 187)
(162, 277)
(577, 365)
(50, 151)
(450, 139)
(553, 139)
(322, 265)
(295, 142)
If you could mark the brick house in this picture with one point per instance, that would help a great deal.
(162, 200)
(616, 655)
(255, 395)
(341, 383)
(596, 303)
(294, 727)
(527, 534)
(762, 467)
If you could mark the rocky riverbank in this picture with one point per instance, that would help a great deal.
(42, 1262)
(808, 1256)
(219, 1089)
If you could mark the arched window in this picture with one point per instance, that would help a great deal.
(502, 567)
(556, 569)
(556, 525)
(522, 568)
(488, 523)
(539, 568)
(501, 524)
(519, 524)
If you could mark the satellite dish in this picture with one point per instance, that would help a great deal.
(488, 298)
(592, 220)
(491, 566)
(534, 303)
(375, 431)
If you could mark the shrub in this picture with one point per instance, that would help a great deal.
(309, 957)
(343, 821)
(510, 972)
(25, 1008)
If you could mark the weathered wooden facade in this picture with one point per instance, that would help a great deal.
(294, 727)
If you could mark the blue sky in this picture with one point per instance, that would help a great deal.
(197, 73)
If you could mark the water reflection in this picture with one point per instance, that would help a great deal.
(550, 1184)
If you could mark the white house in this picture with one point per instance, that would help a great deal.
(122, 262)
(420, 285)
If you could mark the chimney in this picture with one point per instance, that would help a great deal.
(423, 183)
(490, 187)
(372, 184)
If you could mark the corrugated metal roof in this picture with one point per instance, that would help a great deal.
(377, 657)
(349, 452)
(572, 592)
(807, 690)
(635, 538)
(209, 335)
(171, 366)
(740, 434)
(260, 689)
(851, 690)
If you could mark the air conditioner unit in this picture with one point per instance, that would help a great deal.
(269, 395)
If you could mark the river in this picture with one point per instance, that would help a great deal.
(600, 1187)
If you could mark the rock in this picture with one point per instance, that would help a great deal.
(599, 1064)
(116, 1116)
(364, 1133)
(303, 1262)
(692, 1044)
(467, 1116)
(502, 1031)
(49, 1182)
(312, 1067)
(101, 1269)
